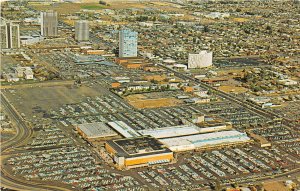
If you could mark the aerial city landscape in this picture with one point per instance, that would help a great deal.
(146, 95)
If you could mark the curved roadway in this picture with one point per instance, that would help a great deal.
(23, 134)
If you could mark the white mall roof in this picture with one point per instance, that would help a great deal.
(204, 140)
(123, 129)
(174, 131)
(96, 130)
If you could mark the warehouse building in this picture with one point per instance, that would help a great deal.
(138, 151)
(131, 62)
(97, 130)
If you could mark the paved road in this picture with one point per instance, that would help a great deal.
(272, 178)
(23, 131)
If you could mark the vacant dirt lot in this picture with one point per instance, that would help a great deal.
(67, 8)
(275, 186)
(233, 89)
(139, 101)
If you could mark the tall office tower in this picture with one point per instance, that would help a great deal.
(201, 60)
(128, 43)
(49, 23)
(82, 30)
(3, 33)
(10, 35)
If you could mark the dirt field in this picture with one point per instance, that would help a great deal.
(69, 8)
(226, 72)
(135, 97)
(119, 4)
(126, 5)
(240, 20)
(38, 84)
(233, 89)
(275, 186)
(139, 101)
(66, 8)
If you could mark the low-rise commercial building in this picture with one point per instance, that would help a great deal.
(92, 131)
(24, 72)
(11, 77)
(179, 67)
(260, 139)
(174, 131)
(288, 82)
(123, 129)
(207, 140)
(138, 151)
(30, 40)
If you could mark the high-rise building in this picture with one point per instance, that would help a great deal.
(10, 35)
(201, 60)
(128, 43)
(49, 23)
(3, 34)
(82, 30)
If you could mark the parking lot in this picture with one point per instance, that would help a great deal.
(56, 153)
(205, 168)
(278, 134)
(290, 110)
(76, 166)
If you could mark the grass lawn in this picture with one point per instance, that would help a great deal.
(93, 7)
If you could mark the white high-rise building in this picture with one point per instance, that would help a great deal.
(49, 23)
(82, 30)
(201, 60)
(10, 35)
(128, 43)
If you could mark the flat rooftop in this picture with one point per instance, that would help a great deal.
(124, 129)
(205, 140)
(88, 58)
(173, 131)
(96, 130)
(138, 146)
